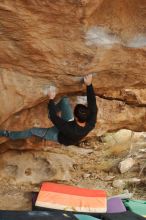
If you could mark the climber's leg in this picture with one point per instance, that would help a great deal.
(65, 109)
(14, 135)
(45, 133)
(52, 134)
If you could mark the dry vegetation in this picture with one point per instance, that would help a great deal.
(103, 164)
(95, 165)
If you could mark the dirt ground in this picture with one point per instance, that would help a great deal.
(93, 165)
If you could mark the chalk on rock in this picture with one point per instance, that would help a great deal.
(48, 88)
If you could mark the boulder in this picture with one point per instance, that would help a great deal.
(45, 42)
(126, 164)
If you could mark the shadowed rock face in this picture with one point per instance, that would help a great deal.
(43, 42)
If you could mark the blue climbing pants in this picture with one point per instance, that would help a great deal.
(46, 133)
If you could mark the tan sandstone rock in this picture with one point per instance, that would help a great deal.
(126, 164)
(43, 42)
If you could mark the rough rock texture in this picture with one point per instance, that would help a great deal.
(49, 41)
(59, 41)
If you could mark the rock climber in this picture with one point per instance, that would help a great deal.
(70, 127)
